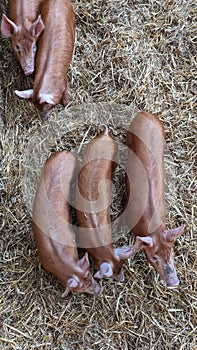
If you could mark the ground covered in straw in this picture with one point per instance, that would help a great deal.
(129, 55)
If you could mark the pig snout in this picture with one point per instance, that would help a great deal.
(170, 277)
(95, 288)
(120, 277)
(28, 71)
(44, 115)
(28, 67)
(98, 289)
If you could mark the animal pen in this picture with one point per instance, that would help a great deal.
(129, 56)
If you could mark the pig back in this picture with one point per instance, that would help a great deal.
(93, 194)
(51, 209)
(145, 174)
(56, 45)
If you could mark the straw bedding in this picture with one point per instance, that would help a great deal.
(129, 56)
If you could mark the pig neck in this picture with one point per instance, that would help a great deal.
(66, 265)
(143, 231)
(67, 254)
(68, 262)
(24, 13)
(103, 254)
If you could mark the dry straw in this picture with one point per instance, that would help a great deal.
(140, 54)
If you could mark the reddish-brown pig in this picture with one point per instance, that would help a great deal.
(145, 212)
(54, 55)
(23, 28)
(54, 236)
(93, 196)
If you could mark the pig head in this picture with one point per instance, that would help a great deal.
(159, 252)
(82, 280)
(111, 266)
(23, 40)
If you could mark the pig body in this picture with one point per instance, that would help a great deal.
(54, 55)
(93, 197)
(145, 212)
(52, 226)
(23, 28)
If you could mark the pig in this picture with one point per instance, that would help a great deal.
(23, 28)
(93, 196)
(54, 55)
(145, 210)
(52, 227)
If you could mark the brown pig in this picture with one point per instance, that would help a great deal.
(93, 197)
(23, 28)
(54, 55)
(54, 236)
(145, 211)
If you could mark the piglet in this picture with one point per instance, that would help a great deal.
(53, 232)
(54, 55)
(145, 211)
(23, 28)
(93, 197)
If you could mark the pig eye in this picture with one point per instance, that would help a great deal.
(34, 47)
(154, 259)
(18, 49)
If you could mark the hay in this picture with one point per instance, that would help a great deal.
(129, 55)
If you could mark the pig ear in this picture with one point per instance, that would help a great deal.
(37, 27)
(8, 27)
(72, 283)
(124, 252)
(84, 263)
(174, 233)
(46, 98)
(24, 93)
(143, 242)
(105, 271)
(98, 275)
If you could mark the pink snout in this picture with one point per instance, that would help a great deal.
(44, 115)
(28, 72)
(120, 277)
(171, 278)
(28, 67)
(98, 290)
(173, 283)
